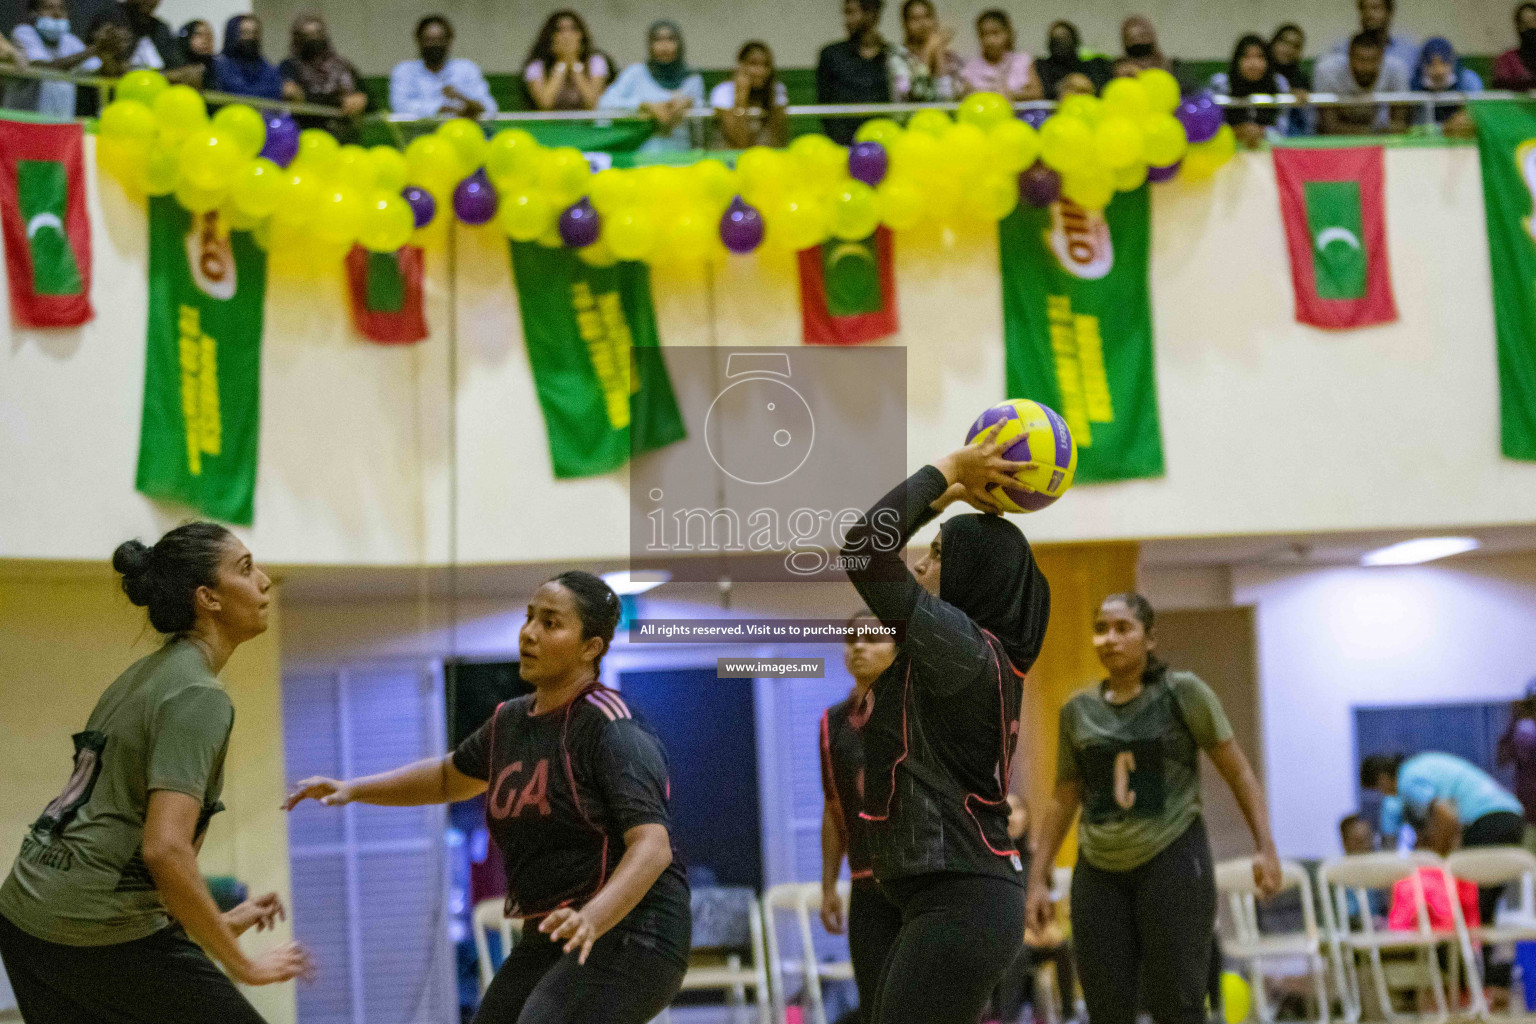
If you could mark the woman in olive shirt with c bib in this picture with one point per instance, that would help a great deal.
(1143, 891)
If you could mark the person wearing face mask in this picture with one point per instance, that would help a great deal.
(1440, 70)
(437, 85)
(1516, 69)
(1066, 56)
(1139, 38)
(46, 42)
(314, 72)
(241, 70)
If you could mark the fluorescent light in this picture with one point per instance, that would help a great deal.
(626, 583)
(1424, 549)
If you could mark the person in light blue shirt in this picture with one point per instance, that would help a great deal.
(46, 41)
(436, 85)
(1376, 20)
(663, 88)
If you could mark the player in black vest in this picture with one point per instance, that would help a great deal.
(872, 920)
(941, 731)
(577, 803)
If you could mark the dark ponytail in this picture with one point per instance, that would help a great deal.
(165, 578)
(597, 605)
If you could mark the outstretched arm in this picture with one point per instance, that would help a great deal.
(433, 780)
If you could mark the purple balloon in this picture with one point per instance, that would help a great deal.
(475, 200)
(1035, 117)
(282, 143)
(741, 228)
(867, 162)
(423, 206)
(580, 224)
(1156, 174)
(1039, 186)
(1201, 118)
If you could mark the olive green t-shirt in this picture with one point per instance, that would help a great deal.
(80, 879)
(1138, 764)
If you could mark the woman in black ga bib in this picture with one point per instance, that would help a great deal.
(1143, 891)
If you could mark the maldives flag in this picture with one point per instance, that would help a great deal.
(47, 232)
(386, 294)
(848, 291)
(1336, 230)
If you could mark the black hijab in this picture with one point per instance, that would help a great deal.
(989, 573)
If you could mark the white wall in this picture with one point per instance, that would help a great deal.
(497, 34)
(1268, 426)
(1332, 639)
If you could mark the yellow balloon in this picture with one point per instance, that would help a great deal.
(389, 170)
(123, 160)
(1066, 143)
(881, 130)
(180, 110)
(1162, 90)
(901, 202)
(598, 254)
(630, 233)
(1082, 107)
(1224, 144)
(564, 173)
(142, 86)
(524, 216)
(128, 121)
(324, 256)
(1163, 140)
(1090, 187)
(762, 174)
(855, 211)
(941, 204)
(1129, 179)
(1202, 159)
(387, 222)
(819, 160)
(551, 239)
(714, 182)
(257, 188)
(354, 168)
(1126, 97)
(1236, 997)
(933, 122)
(300, 194)
(1012, 145)
(991, 198)
(209, 160)
(160, 171)
(338, 216)
(318, 149)
(243, 125)
(689, 233)
(512, 153)
(800, 222)
(199, 200)
(611, 190)
(1117, 142)
(432, 163)
(239, 221)
(984, 109)
(918, 154)
(965, 151)
(468, 141)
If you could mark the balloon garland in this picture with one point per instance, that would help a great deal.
(303, 192)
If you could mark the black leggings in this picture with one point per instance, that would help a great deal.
(161, 979)
(873, 922)
(628, 978)
(1147, 933)
(1500, 828)
(958, 935)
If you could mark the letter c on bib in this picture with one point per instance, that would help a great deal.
(1125, 763)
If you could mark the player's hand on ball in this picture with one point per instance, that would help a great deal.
(832, 910)
(572, 926)
(331, 792)
(979, 466)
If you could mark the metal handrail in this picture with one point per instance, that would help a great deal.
(105, 82)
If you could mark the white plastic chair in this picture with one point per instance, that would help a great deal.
(1499, 865)
(1234, 880)
(733, 976)
(803, 899)
(1364, 872)
(491, 914)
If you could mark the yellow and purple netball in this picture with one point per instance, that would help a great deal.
(1034, 433)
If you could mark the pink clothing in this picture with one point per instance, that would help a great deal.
(1009, 77)
(1510, 72)
(1404, 915)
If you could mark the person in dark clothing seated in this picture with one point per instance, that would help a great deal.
(150, 42)
(856, 70)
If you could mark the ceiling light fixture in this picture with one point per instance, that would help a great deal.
(1424, 549)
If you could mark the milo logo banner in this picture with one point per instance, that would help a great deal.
(202, 366)
(1077, 326)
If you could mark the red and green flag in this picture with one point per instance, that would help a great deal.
(1333, 204)
(386, 294)
(596, 357)
(47, 231)
(848, 291)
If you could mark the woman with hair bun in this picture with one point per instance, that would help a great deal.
(577, 796)
(100, 912)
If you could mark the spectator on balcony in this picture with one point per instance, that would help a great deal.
(436, 85)
(314, 72)
(241, 70)
(749, 107)
(663, 88)
(1516, 69)
(1139, 38)
(1285, 50)
(45, 40)
(149, 43)
(1439, 70)
(1067, 57)
(1365, 70)
(999, 67)
(854, 70)
(1376, 20)
(923, 68)
(1249, 74)
(563, 70)
(195, 41)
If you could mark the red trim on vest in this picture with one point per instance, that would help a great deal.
(1005, 759)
